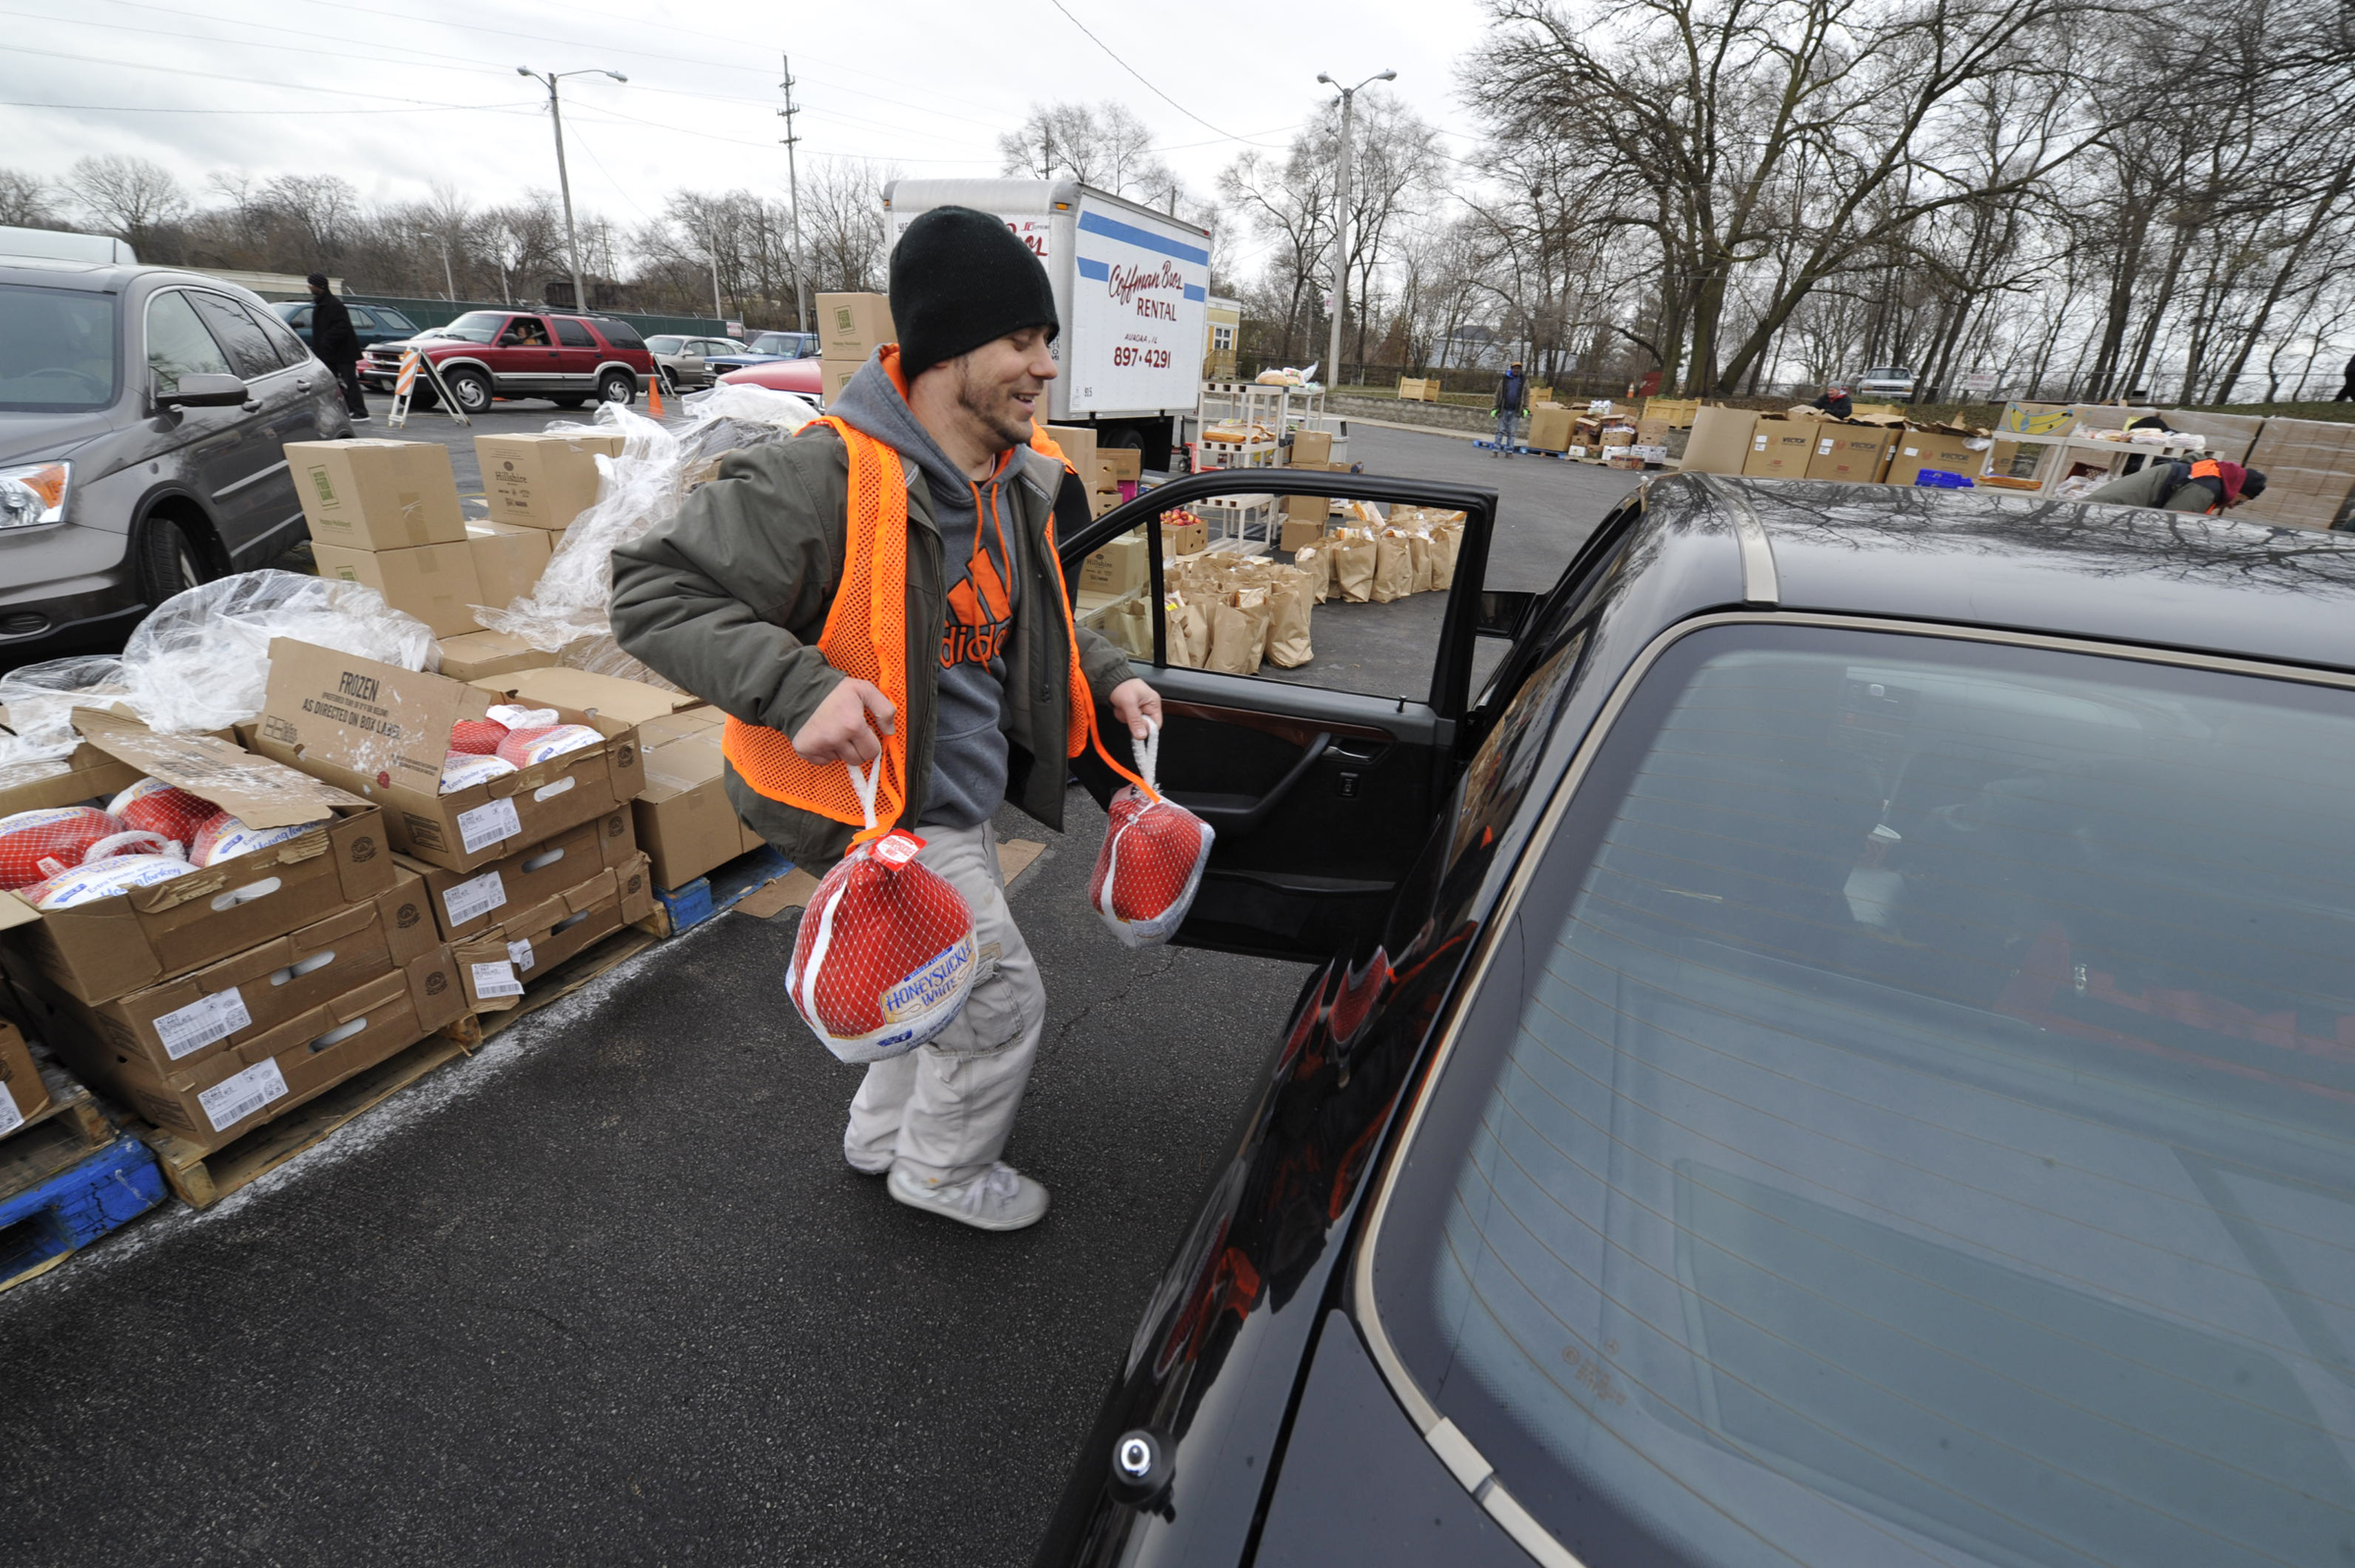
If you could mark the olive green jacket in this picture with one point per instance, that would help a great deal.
(729, 597)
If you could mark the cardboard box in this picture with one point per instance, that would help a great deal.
(2230, 436)
(475, 654)
(23, 1094)
(1184, 539)
(507, 559)
(1078, 447)
(382, 732)
(853, 326)
(1310, 447)
(110, 947)
(1945, 452)
(539, 479)
(1854, 455)
(2314, 444)
(2036, 419)
(1779, 448)
(497, 967)
(1119, 466)
(685, 823)
(1550, 429)
(89, 773)
(213, 1101)
(436, 583)
(1120, 567)
(1300, 535)
(468, 903)
(226, 1003)
(374, 494)
(608, 697)
(835, 373)
(1676, 413)
(1718, 441)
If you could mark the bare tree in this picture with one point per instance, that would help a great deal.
(130, 197)
(24, 201)
(1104, 145)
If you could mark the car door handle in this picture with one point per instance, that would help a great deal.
(1233, 816)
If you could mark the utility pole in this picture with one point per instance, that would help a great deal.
(1340, 218)
(793, 189)
(555, 113)
(715, 310)
(450, 288)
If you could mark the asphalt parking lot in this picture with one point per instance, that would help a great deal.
(606, 1292)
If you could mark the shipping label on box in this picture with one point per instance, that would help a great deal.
(383, 732)
(466, 903)
(508, 559)
(436, 583)
(853, 326)
(1851, 453)
(1780, 449)
(373, 494)
(540, 480)
(496, 968)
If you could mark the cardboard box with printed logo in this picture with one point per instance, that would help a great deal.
(539, 479)
(1927, 450)
(475, 655)
(232, 999)
(853, 326)
(465, 903)
(110, 947)
(383, 732)
(373, 494)
(497, 966)
(1855, 454)
(436, 583)
(1120, 567)
(507, 559)
(1780, 449)
(23, 1094)
(834, 375)
(213, 1100)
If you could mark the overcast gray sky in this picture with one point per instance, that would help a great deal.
(925, 84)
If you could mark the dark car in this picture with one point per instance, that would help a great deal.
(143, 413)
(766, 346)
(1842, 1053)
(371, 324)
(489, 354)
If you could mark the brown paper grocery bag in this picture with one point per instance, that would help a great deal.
(1353, 556)
(1288, 646)
(1393, 570)
(1238, 633)
(1185, 631)
(1316, 565)
(1132, 628)
(1443, 542)
(1418, 560)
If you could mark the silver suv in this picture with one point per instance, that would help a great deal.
(143, 413)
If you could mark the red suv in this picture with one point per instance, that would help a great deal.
(486, 354)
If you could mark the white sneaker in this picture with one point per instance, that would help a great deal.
(880, 1166)
(363, 419)
(1000, 1198)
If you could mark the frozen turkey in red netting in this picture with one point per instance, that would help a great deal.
(60, 835)
(226, 837)
(885, 955)
(523, 747)
(1151, 863)
(105, 879)
(477, 737)
(154, 806)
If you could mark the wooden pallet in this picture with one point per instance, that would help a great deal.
(566, 977)
(45, 1223)
(721, 888)
(69, 1130)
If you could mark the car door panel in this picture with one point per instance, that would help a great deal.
(229, 451)
(577, 357)
(1320, 798)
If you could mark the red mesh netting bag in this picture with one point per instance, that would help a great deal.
(1151, 862)
(885, 955)
(37, 844)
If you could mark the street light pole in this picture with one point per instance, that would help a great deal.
(450, 288)
(555, 114)
(1340, 219)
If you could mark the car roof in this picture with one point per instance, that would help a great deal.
(2122, 574)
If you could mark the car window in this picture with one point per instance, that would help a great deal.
(288, 348)
(250, 353)
(394, 321)
(667, 346)
(178, 343)
(525, 332)
(1914, 1122)
(574, 334)
(57, 349)
(301, 318)
(363, 319)
(620, 334)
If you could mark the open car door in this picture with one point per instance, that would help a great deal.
(1321, 779)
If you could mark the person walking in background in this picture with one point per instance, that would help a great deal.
(2347, 393)
(336, 346)
(1512, 393)
(738, 599)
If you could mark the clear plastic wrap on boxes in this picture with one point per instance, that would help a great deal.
(40, 700)
(638, 490)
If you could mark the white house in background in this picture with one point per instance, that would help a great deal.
(1474, 347)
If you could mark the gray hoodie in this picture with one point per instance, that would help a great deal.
(969, 747)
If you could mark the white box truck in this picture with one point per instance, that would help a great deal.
(1131, 285)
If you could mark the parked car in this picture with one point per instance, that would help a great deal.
(682, 359)
(1833, 1056)
(372, 323)
(802, 376)
(143, 410)
(489, 354)
(1886, 381)
(766, 346)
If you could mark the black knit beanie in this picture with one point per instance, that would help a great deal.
(959, 277)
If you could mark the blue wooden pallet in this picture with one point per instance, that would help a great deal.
(716, 891)
(47, 1223)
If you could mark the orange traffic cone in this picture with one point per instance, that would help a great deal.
(653, 397)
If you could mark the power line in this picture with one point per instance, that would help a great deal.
(151, 109)
(1156, 91)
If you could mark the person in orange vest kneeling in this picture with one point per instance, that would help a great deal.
(884, 590)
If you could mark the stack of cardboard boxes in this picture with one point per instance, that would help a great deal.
(215, 1002)
(540, 862)
(386, 513)
(1738, 440)
(1306, 517)
(2309, 468)
(850, 329)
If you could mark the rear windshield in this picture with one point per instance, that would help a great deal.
(666, 346)
(57, 349)
(620, 334)
(475, 326)
(1929, 1134)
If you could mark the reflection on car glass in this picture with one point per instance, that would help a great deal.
(1929, 1146)
(57, 349)
(177, 342)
